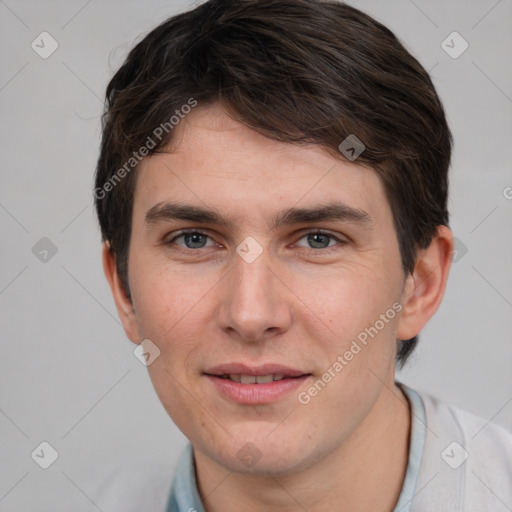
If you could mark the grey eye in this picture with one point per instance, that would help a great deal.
(318, 240)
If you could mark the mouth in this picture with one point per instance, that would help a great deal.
(255, 379)
(253, 385)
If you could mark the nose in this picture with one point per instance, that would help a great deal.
(255, 305)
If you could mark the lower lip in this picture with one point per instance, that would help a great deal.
(253, 394)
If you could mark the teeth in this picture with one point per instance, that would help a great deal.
(251, 379)
(264, 379)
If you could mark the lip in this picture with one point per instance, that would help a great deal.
(255, 394)
(264, 369)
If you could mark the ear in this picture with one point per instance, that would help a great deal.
(123, 303)
(424, 288)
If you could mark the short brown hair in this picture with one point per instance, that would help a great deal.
(298, 71)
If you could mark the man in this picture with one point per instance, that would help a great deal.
(272, 193)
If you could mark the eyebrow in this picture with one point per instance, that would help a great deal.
(166, 211)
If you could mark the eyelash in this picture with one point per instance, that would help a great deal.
(312, 251)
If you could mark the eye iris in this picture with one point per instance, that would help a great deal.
(192, 238)
(316, 238)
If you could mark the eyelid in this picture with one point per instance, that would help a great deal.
(320, 231)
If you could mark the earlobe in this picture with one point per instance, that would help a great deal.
(425, 287)
(123, 303)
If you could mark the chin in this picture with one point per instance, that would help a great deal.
(260, 455)
(266, 462)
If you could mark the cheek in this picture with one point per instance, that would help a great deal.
(162, 297)
(358, 348)
(173, 310)
(349, 301)
(168, 309)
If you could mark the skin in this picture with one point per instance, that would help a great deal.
(296, 304)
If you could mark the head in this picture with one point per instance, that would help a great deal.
(239, 109)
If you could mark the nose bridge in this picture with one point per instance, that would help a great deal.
(252, 279)
(253, 303)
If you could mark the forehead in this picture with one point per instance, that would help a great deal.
(217, 161)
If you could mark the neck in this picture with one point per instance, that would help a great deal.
(365, 473)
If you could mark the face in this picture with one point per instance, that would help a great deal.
(265, 283)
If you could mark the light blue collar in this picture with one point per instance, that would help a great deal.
(416, 444)
(184, 493)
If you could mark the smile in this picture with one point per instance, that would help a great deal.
(254, 385)
(251, 379)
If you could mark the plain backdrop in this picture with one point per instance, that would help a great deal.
(68, 373)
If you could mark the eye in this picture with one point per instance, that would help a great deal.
(192, 240)
(321, 240)
(318, 241)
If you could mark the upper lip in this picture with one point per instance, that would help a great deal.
(264, 369)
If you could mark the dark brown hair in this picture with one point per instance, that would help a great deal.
(299, 71)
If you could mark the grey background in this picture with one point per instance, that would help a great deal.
(68, 374)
